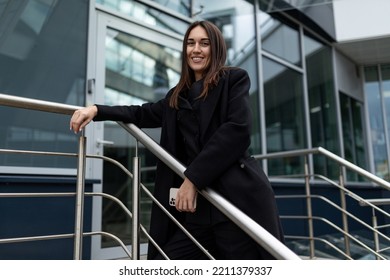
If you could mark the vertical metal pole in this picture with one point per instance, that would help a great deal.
(309, 208)
(376, 236)
(136, 199)
(79, 211)
(344, 215)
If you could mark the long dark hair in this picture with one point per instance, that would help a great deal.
(215, 67)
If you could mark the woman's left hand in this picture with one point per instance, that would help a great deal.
(186, 197)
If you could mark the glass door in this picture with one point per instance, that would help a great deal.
(134, 65)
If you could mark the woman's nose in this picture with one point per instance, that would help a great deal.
(197, 47)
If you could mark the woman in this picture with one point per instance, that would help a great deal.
(206, 124)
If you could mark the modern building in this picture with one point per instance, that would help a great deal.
(320, 72)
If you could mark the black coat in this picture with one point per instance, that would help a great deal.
(222, 164)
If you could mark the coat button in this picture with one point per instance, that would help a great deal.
(242, 165)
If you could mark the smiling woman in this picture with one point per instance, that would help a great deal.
(206, 124)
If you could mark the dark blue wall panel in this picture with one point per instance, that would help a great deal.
(23, 217)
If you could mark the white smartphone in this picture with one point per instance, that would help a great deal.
(172, 196)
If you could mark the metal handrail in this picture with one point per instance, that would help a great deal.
(336, 158)
(257, 232)
(363, 202)
(329, 202)
(336, 227)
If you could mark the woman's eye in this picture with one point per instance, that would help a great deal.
(204, 44)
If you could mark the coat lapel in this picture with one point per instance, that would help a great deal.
(168, 136)
(208, 107)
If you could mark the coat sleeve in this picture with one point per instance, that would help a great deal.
(148, 115)
(230, 140)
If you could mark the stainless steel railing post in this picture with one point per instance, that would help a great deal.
(344, 215)
(79, 211)
(136, 199)
(309, 207)
(376, 236)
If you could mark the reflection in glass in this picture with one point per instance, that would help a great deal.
(181, 6)
(322, 105)
(139, 68)
(353, 134)
(137, 71)
(282, 5)
(42, 56)
(284, 113)
(150, 16)
(385, 85)
(280, 38)
(375, 113)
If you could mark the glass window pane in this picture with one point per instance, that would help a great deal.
(42, 56)
(139, 68)
(385, 75)
(284, 115)
(280, 39)
(322, 105)
(375, 113)
(353, 134)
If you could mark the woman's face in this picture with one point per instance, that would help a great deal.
(198, 51)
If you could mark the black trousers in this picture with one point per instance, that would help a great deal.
(224, 241)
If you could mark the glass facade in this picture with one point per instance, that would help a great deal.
(43, 51)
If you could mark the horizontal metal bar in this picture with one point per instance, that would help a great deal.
(376, 201)
(37, 153)
(38, 105)
(294, 153)
(336, 158)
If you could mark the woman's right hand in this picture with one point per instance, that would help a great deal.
(186, 197)
(82, 117)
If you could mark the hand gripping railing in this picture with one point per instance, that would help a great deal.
(258, 233)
